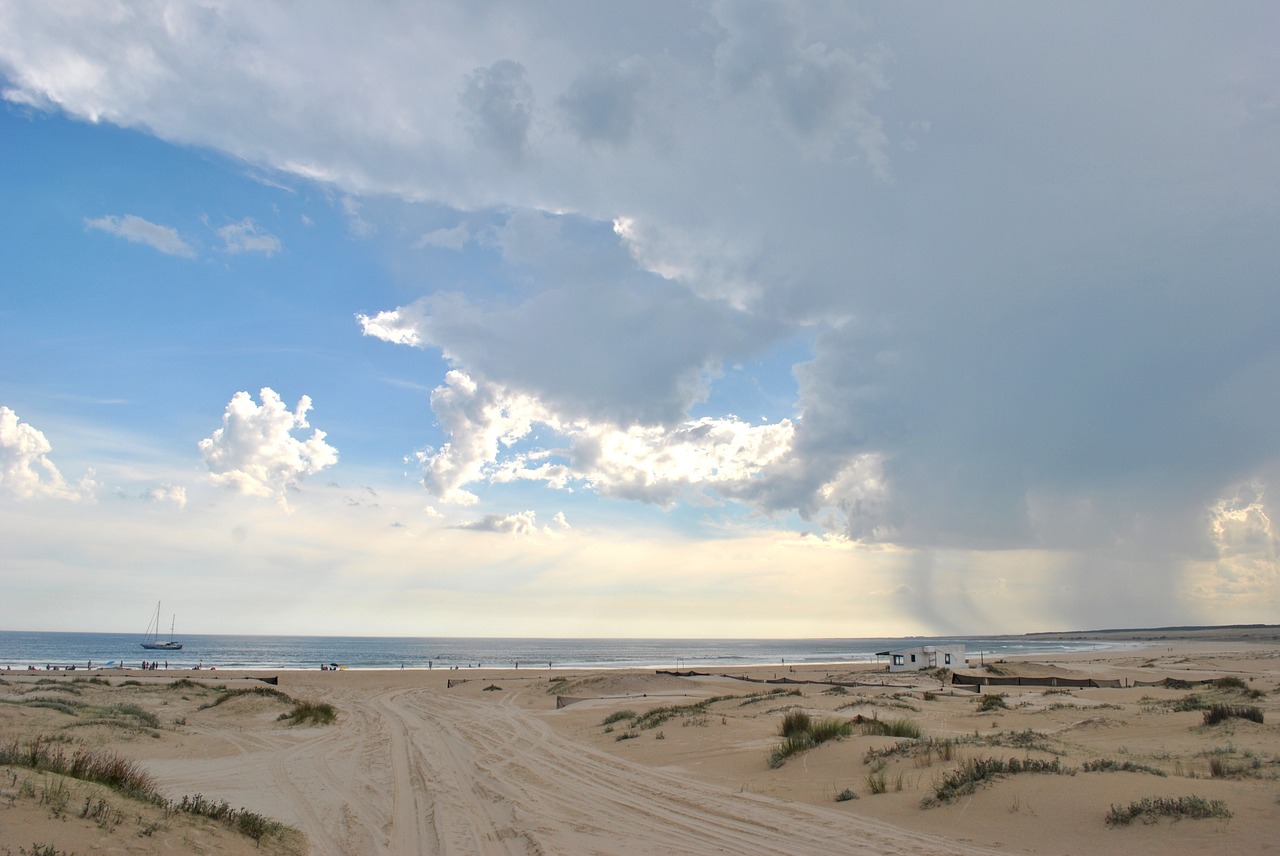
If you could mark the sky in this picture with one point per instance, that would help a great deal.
(675, 319)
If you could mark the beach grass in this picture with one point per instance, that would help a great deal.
(906, 728)
(1150, 809)
(262, 692)
(973, 772)
(1217, 713)
(128, 778)
(800, 733)
(1109, 765)
(310, 712)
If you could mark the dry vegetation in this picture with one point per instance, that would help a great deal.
(66, 753)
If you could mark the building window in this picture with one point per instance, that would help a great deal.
(897, 659)
(948, 659)
(913, 658)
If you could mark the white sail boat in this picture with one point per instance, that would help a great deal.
(153, 641)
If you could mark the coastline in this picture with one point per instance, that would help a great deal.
(500, 760)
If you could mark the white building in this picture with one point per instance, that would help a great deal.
(924, 657)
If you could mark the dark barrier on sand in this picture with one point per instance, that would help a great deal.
(1174, 683)
(1007, 681)
(752, 680)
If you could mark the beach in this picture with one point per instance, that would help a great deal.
(517, 761)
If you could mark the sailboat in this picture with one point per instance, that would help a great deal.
(153, 642)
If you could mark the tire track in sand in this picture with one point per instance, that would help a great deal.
(425, 771)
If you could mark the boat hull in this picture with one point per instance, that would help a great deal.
(162, 646)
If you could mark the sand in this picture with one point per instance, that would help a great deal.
(483, 761)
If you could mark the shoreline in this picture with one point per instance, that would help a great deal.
(612, 761)
(721, 654)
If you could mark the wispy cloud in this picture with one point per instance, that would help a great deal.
(133, 228)
(246, 236)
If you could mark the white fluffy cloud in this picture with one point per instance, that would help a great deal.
(133, 228)
(653, 464)
(255, 452)
(26, 472)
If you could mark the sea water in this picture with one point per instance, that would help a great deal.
(18, 650)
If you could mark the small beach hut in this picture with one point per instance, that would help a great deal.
(922, 657)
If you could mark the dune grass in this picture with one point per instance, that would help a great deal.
(310, 712)
(128, 778)
(800, 732)
(91, 765)
(1151, 809)
(264, 692)
(906, 728)
(1107, 765)
(618, 716)
(975, 771)
(993, 701)
(1217, 713)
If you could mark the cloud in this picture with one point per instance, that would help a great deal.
(479, 419)
(822, 92)
(254, 451)
(654, 464)
(498, 104)
(247, 236)
(398, 326)
(357, 224)
(26, 472)
(602, 104)
(1039, 290)
(167, 494)
(521, 523)
(140, 231)
(454, 238)
(601, 341)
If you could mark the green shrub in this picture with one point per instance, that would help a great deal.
(892, 728)
(795, 722)
(1191, 702)
(1231, 682)
(800, 732)
(266, 692)
(1107, 765)
(1150, 809)
(1222, 712)
(315, 712)
(131, 711)
(992, 701)
(789, 746)
(974, 771)
(618, 715)
(90, 765)
(823, 730)
(846, 795)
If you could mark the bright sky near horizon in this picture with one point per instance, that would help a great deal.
(646, 319)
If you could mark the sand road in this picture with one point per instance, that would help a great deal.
(412, 770)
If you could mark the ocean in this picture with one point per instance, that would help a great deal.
(19, 650)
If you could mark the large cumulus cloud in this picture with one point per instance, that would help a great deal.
(255, 452)
(1034, 246)
(26, 471)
